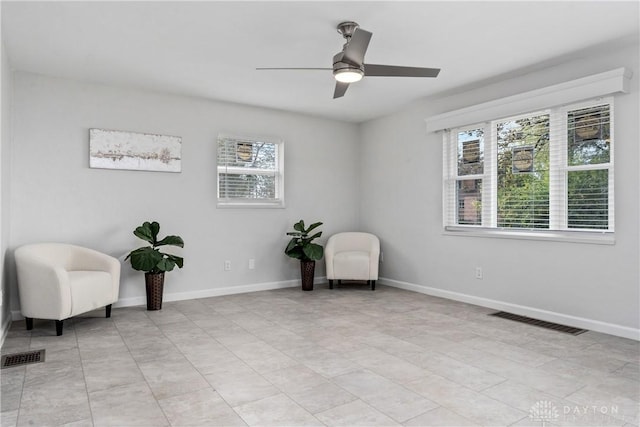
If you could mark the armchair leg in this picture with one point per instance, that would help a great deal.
(373, 285)
(330, 284)
(29, 321)
(59, 327)
(108, 311)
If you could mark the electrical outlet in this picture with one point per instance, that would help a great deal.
(479, 273)
(252, 264)
(227, 266)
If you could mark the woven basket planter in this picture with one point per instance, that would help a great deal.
(307, 271)
(155, 287)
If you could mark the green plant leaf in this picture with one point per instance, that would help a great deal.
(145, 259)
(166, 264)
(171, 240)
(313, 251)
(144, 232)
(155, 229)
(292, 244)
(177, 259)
(315, 236)
(313, 226)
(299, 226)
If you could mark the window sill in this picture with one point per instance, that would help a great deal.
(588, 237)
(250, 205)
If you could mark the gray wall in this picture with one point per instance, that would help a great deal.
(55, 196)
(402, 202)
(5, 134)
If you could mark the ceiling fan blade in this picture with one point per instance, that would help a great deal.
(357, 47)
(397, 71)
(280, 68)
(341, 88)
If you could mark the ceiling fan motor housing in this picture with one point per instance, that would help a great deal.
(340, 67)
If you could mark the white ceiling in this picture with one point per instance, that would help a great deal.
(211, 49)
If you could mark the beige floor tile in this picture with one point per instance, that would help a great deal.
(128, 405)
(277, 410)
(508, 351)
(441, 417)
(12, 380)
(460, 372)
(355, 414)
(9, 418)
(200, 408)
(385, 395)
(172, 376)
(387, 365)
(54, 403)
(242, 386)
(321, 397)
(294, 378)
(111, 372)
(470, 404)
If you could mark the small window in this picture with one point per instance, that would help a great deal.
(250, 172)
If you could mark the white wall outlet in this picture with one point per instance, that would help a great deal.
(479, 273)
(227, 265)
(252, 264)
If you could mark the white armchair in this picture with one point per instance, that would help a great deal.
(57, 281)
(352, 256)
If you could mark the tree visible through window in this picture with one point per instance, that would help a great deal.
(523, 172)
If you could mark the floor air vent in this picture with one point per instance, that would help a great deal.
(24, 358)
(540, 323)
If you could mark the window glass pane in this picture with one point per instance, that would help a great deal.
(470, 152)
(523, 172)
(247, 186)
(248, 154)
(469, 197)
(589, 136)
(588, 199)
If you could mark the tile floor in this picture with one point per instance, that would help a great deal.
(347, 357)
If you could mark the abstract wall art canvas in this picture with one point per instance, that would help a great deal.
(111, 149)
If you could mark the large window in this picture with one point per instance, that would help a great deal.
(549, 170)
(250, 172)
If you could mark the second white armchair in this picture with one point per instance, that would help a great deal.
(352, 256)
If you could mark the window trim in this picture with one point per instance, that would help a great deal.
(276, 203)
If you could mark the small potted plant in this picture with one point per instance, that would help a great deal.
(153, 262)
(301, 247)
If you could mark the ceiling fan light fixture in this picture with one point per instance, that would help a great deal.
(348, 75)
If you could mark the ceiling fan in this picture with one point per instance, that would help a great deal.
(349, 66)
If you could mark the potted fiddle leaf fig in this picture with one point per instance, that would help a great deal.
(301, 247)
(153, 262)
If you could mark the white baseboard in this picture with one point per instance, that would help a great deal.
(536, 313)
(214, 292)
(6, 324)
